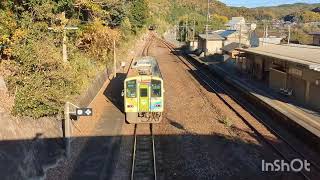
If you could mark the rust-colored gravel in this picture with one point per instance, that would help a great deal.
(200, 137)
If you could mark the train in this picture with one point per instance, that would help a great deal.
(144, 92)
(152, 27)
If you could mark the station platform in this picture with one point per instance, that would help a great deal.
(286, 108)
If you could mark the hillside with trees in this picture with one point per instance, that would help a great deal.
(31, 37)
(290, 9)
(185, 12)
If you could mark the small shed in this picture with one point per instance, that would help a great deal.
(211, 43)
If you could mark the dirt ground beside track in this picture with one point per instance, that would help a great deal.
(200, 137)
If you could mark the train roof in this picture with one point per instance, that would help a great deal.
(146, 65)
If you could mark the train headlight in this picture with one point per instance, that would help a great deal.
(130, 106)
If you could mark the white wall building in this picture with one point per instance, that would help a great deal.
(270, 40)
(236, 22)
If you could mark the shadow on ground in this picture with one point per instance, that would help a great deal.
(114, 89)
(184, 156)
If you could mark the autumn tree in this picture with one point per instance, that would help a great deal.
(138, 14)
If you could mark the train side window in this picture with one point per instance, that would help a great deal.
(131, 89)
(155, 88)
(143, 92)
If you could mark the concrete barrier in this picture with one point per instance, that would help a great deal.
(92, 91)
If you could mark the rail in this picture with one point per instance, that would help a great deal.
(217, 88)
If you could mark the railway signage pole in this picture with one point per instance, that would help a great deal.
(71, 110)
(67, 129)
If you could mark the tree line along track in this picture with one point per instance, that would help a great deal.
(218, 88)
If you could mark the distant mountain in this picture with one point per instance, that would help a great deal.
(251, 14)
(289, 9)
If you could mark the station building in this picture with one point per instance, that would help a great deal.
(284, 68)
(214, 41)
(211, 43)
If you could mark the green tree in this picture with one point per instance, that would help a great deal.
(139, 13)
(309, 16)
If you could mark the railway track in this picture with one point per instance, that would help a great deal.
(219, 90)
(144, 151)
(145, 51)
(144, 158)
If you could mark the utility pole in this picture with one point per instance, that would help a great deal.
(65, 39)
(240, 34)
(193, 31)
(264, 32)
(289, 33)
(180, 34)
(114, 59)
(267, 31)
(187, 31)
(205, 54)
(176, 30)
(64, 47)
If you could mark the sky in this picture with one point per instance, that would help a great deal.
(256, 3)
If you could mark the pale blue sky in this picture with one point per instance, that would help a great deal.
(256, 3)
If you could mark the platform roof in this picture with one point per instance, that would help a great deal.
(315, 33)
(305, 55)
(232, 46)
(211, 37)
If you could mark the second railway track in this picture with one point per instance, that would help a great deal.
(217, 88)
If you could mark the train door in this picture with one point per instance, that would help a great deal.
(144, 98)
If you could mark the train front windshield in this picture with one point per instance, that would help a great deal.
(156, 88)
(131, 89)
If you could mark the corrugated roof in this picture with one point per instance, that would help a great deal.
(315, 33)
(211, 36)
(305, 55)
(232, 46)
(226, 33)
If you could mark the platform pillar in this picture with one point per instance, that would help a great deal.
(307, 92)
